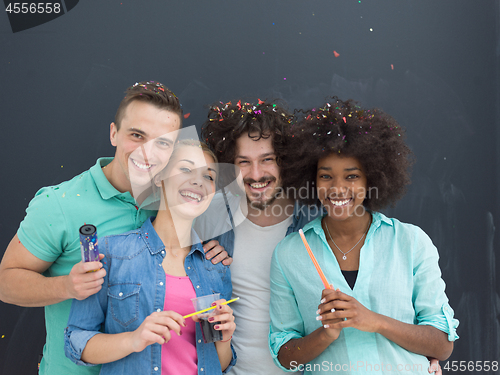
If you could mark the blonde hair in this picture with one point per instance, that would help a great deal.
(194, 143)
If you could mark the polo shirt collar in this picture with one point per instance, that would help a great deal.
(104, 187)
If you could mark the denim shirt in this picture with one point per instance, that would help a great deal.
(134, 288)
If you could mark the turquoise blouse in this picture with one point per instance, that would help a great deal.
(399, 277)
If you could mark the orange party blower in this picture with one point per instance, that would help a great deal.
(318, 268)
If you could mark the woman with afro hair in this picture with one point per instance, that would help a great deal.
(385, 310)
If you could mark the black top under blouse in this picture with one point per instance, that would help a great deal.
(350, 277)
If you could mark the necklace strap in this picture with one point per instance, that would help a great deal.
(344, 257)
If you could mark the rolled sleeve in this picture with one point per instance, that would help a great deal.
(74, 343)
(286, 320)
(430, 300)
(233, 361)
(86, 319)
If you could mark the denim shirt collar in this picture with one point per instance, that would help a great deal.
(154, 243)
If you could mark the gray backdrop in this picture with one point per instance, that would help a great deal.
(433, 65)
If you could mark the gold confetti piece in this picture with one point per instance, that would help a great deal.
(64, 194)
(78, 195)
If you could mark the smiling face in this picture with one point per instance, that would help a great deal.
(143, 143)
(256, 160)
(188, 182)
(342, 186)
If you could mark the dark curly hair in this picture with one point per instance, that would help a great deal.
(371, 136)
(227, 122)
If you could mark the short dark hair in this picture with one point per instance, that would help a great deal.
(150, 92)
(227, 122)
(371, 136)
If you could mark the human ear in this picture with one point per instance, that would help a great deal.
(113, 130)
(157, 179)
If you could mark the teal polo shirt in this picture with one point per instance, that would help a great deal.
(50, 232)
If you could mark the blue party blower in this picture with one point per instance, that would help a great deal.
(88, 243)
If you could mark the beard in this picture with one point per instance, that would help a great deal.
(261, 205)
(261, 201)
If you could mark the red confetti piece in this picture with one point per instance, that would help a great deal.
(239, 104)
(392, 67)
(344, 120)
(260, 101)
(187, 115)
(336, 54)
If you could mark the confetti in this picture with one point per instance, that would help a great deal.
(392, 66)
(371, 29)
(284, 79)
(187, 115)
(336, 54)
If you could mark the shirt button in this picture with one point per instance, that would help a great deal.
(199, 341)
(197, 286)
(161, 282)
(120, 294)
(163, 252)
(156, 368)
(189, 268)
(158, 310)
(201, 369)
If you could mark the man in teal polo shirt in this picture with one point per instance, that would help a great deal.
(42, 264)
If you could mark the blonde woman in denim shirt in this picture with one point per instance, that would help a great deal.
(387, 310)
(151, 270)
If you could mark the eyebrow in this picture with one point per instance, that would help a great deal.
(191, 162)
(347, 169)
(260, 156)
(137, 131)
(169, 141)
(142, 132)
